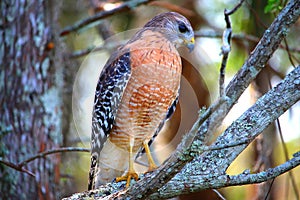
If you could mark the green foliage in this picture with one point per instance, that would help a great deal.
(274, 6)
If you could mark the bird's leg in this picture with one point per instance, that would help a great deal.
(151, 162)
(131, 172)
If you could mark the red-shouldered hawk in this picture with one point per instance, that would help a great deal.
(137, 91)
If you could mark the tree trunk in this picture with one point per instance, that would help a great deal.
(30, 96)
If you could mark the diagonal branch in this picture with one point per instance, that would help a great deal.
(264, 50)
(126, 6)
(268, 108)
(194, 183)
(257, 118)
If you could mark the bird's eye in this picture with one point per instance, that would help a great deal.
(182, 28)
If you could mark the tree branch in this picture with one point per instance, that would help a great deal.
(207, 34)
(20, 165)
(126, 6)
(286, 155)
(106, 46)
(264, 50)
(193, 183)
(247, 127)
(226, 47)
(189, 151)
(240, 36)
(16, 167)
(52, 151)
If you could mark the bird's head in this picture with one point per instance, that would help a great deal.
(175, 27)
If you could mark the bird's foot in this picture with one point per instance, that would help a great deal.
(127, 177)
(151, 168)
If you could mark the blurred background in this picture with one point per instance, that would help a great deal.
(84, 53)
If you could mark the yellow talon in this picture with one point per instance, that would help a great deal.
(131, 172)
(129, 175)
(152, 165)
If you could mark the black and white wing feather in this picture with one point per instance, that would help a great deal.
(109, 91)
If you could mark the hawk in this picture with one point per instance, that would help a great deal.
(136, 93)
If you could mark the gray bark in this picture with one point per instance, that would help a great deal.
(30, 96)
(209, 169)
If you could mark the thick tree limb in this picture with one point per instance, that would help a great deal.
(193, 183)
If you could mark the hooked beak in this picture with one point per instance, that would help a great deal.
(190, 44)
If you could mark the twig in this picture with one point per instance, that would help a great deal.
(286, 155)
(226, 47)
(257, 18)
(230, 12)
(216, 34)
(126, 6)
(207, 34)
(269, 190)
(20, 165)
(219, 194)
(289, 53)
(105, 46)
(173, 7)
(239, 36)
(214, 147)
(83, 52)
(16, 167)
(48, 152)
